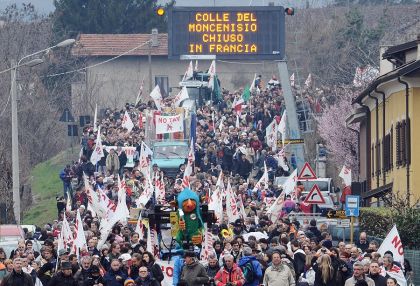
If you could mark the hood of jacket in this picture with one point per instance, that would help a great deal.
(245, 259)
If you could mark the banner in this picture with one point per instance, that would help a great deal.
(98, 153)
(345, 174)
(393, 243)
(181, 96)
(169, 124)
(129, 151)
(168, 272)
(271, 135)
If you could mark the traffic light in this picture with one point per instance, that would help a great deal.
(160, 11)
(289, 11)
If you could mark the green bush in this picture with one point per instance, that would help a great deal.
(378, 222)
(375, 221)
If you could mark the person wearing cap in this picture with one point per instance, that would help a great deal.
(193, 273)
(63, 277)
(63, 255)
(247, 262)
(94, 278)
(278, 273)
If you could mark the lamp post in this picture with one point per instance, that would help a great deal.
(15, 127)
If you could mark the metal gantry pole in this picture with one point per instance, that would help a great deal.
(15, 144)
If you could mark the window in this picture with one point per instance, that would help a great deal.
(402, 143)
(398, 144)
(386, 153)
(373, 160)
(403, 147)
(163, 83)
(378, 158)
(391, 146)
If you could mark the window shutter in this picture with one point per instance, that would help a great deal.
(403, 142)
(398, 142)
(391, 147)
(408, 140)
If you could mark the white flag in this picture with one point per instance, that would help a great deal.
(127, 122)
(237, 125)
(140, 227)
(189, 73)
(254, 88)
(221, 124)
(290, 184)
(393, 243)
(196, 65)
(95, 123)
(159, 190)
(345, 174)
(308, 81)
(292, 80)
(281, 158)
(190, 165)
(282, 128)
(231, 204)
(80, 239)
(263, 179)
(96, 200)
(181, 96)
(144, 164)
(275, 209)
(207, 246)
(122, 196)
(215, 200)
(241, 207)
(271, 135)
(98, 153)
(157, 97)
(147, 194)
(146, 149)
(140, 92)
(67, 234)
(212, 73)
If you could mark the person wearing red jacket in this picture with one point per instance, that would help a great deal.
(230, 274)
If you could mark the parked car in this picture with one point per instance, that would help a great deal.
(9, 236)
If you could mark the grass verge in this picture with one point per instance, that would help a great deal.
(46, 185)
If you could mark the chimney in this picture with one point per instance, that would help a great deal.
(155, 41)
(385, 66)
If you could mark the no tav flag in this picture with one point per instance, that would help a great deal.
(393, 243)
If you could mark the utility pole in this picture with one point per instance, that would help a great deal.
(153, 43)
(15, 144)
(150, 67)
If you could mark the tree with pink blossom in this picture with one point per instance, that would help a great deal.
(340, 141)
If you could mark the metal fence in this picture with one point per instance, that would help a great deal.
(414, 257)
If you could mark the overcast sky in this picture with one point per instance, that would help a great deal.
(47, 6)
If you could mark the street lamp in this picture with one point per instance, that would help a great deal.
(15, 136)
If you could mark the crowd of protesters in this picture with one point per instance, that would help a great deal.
(290, 253)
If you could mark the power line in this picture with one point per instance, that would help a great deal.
(100, 63)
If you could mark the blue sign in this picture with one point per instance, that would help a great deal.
(352, 205)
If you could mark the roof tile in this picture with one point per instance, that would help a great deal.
(117, 44)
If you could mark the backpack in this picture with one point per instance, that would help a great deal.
(248, 271)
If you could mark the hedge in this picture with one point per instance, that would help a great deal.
(378, 221)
